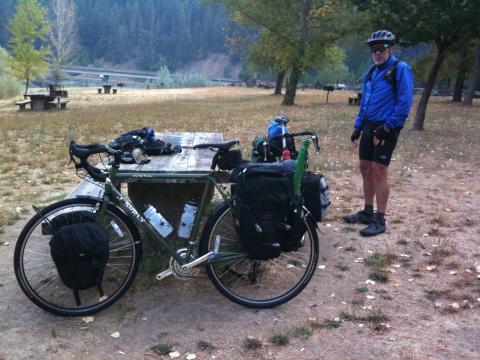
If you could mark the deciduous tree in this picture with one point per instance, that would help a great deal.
(28, 50)
(300, 32)
(61, 36)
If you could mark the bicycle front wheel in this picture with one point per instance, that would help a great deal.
(257, 283)
(37, 274)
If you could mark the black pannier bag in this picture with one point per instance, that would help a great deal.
(262, 202)
(315, 195)
(80, 253)
(74, 217)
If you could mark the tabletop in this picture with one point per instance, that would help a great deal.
(188, 161)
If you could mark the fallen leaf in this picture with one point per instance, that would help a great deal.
(359, 260)
(427, 254)
(405, 256)
(360, 325)
(410, 279)
(322, 266)
(431, 267)
(337, 319)
(396, 265)
(191, 356)
(371, 282)
(88, 319)
(455, 305)
(370, 297)
(121, 352)
(425, 235)
(328, 225)
(333, 295)
(116, 334)
(302, 349)
(453, 272)
(174, 354)
(370, 251)
(438, 304)
(6, 243)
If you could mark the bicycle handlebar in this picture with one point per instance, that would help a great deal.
(312, 134)
(83, 152)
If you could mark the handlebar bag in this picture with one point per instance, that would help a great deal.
(262, 203)
(315, 195)
(229, 160)
(80, 253)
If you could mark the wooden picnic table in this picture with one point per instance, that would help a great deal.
(45, 100)
(167, 196)
(39, 100)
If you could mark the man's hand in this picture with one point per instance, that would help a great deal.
(355, 135)
(380, 134)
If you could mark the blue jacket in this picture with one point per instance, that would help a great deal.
(379, 101)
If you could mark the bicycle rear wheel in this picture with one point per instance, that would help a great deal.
(257, 283)
(37, 274)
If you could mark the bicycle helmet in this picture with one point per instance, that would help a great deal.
(281, 119)
(381, 37)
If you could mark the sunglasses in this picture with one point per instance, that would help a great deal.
(379, 48)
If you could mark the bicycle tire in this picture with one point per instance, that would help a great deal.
(38, 277)
(256, 283)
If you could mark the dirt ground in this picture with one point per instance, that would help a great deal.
(431, 301)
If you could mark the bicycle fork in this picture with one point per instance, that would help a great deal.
(194, 263)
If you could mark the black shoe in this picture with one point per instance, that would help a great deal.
(359, 217)
(376, 227)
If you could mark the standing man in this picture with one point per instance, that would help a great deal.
(386, 101)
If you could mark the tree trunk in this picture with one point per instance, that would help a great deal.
(457, 91)
(296, 69)
(427, 91)
(291, 87)
(279, 84)
(26, 86)
(474, 77)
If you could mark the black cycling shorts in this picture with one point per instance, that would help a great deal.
(381, 153)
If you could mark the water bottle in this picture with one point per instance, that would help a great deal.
(157, 221)
(186, 222)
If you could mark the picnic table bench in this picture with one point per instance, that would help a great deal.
(167, 196)
(58, 102)
(355, 100)
(22, 104)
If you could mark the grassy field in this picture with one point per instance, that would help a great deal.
(411, 293)
(35, 169)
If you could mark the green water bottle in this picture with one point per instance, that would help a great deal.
(300, 168)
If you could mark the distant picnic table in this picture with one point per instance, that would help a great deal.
(107, 88)
(43, 100)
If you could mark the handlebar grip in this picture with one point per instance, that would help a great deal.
(94, 172)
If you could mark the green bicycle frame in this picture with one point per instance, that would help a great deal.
(113, 195)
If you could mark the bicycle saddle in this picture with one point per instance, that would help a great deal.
(226, 145)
